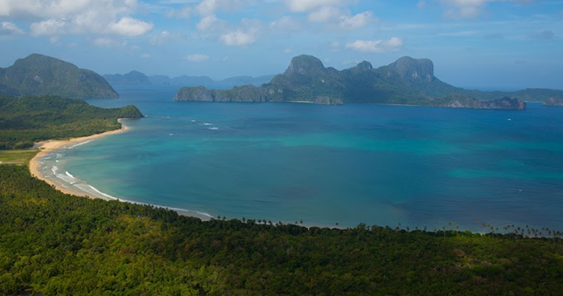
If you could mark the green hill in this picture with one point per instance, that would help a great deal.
(27, 119)
(42, 75)
(405, 81)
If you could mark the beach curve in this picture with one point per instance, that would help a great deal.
(46, 147)
(49, 146)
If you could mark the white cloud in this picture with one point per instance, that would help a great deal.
(183, 13)
(460, 9)
(130, 27)
(196, 57)
(211, 23)
(108, 42)
(340, 18)
(58, 17)
(308, 5)
(286, 23)
(239, 37)
(8, 28)
(360, 20)
(376, 46)
(47, 28)
(324, 14)
(164, 37)
(209, 7)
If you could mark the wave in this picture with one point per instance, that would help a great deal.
(101, 193)
(204, 214)
(54, 169)
(207, 123)
(213, 128)
(68, 174)
(79, 144)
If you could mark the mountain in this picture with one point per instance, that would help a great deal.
(194, 81)
(131, 78)
(42, 75)
(138, 78)
(405, 81)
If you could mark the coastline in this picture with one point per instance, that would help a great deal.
(46, 147)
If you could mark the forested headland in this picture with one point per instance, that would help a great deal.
(28, 119)
(57, 244)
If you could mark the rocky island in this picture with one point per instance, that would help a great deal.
(407, 81)
(42, 75)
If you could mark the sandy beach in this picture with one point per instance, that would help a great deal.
(48, 146)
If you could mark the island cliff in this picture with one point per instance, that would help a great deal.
(42, 75)
(407, 81)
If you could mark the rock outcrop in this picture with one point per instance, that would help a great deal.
(405, 81)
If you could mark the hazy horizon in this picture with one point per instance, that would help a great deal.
(486, 44)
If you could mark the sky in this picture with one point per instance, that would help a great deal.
(484, 44)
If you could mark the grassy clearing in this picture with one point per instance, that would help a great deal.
(19, 157)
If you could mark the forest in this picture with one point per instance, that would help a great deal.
(56, 244)
(29, 119)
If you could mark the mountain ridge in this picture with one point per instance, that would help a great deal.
(138, 78)
(43, 75)
(406, 81)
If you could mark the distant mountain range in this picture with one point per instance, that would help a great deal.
(407, 81)
(42, 75)
(138, 78)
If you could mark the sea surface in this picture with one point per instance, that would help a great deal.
(329, 165)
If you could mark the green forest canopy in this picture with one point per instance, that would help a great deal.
(57, 244)
(29, 119)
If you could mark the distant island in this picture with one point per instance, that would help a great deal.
(407, 81)
(138, 78)
(42, 75)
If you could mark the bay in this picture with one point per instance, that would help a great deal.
(333, 165)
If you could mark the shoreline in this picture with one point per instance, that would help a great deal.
(46, 147)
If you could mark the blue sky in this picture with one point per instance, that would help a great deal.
(488, 44)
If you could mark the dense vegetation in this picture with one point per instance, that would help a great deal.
(26, 120)
(57, 244)
(42, 75)
(406, 81)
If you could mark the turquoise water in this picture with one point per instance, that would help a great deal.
(324, 165)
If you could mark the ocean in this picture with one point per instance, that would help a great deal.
(329, 165)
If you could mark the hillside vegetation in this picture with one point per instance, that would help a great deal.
(56, 244)
(29, 119)
(42, 75)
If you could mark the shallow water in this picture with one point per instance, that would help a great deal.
(324, 165)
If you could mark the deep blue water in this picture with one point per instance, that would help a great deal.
(324, 165)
